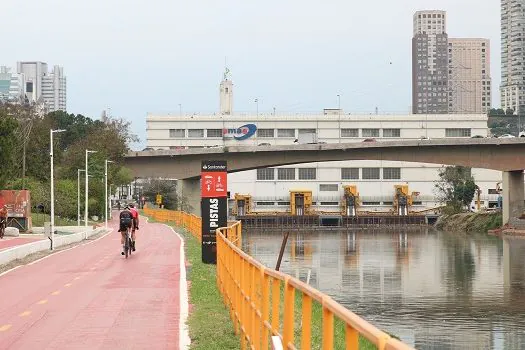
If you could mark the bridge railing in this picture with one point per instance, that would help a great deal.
(263, 302)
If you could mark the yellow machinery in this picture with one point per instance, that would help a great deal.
(243, 205)
(350, 200)
(300, 202)
(402, 200)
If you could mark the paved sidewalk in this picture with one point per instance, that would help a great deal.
(91, 297)
(9, 242)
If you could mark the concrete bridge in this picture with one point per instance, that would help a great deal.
(506, 155)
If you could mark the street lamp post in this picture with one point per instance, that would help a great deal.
(78, 195)
(257, 104)
(87, 186)
(106, 191)
(51, 132)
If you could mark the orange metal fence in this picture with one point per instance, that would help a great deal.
(264, 302)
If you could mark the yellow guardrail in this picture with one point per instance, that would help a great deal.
(264, 302)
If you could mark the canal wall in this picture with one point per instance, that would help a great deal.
(469, 222)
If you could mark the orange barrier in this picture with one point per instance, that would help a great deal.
(264, 302)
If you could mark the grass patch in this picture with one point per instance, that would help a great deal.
(209, 322)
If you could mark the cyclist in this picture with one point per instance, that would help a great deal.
(135, 214)
(3, 220)
(126, 222)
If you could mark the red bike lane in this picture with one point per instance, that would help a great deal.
(91, 297)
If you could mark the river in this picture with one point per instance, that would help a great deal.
(434, 290)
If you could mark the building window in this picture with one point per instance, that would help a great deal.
(370, 132)
(307, 173)
(350, 173)
(265, 133)
(306, 131)
(457, 133)
(177, 133)
(391, 132)
(392, 173)
(265, 203)
(266, 174)
(285, 132)
(214, 132)
(197, 133)
(349, 132)
(329, 187)
(370, 173)
(286, 174)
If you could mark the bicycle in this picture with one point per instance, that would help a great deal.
(128, 244)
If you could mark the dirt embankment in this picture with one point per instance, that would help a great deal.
(470, 222)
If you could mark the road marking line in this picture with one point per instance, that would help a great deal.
(25, 313)
(43, 301)
(5, 327)
(184, 337)
(57, 292)
(77, 278)
(10, 270)
(67, 285)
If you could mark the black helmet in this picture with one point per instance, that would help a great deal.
(131, 205)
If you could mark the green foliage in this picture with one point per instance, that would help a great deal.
(168, 190)
(8, 127)
(23, 131)
(455, 188)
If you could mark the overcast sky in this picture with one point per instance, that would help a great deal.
(140, 56)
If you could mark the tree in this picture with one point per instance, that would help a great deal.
(455, 188)
(168, 190)
(8, 156)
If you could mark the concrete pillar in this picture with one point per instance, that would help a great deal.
(189, 193)
(513, 195)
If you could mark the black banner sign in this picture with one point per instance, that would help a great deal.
(214, 205)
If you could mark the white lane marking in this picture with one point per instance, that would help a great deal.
(14, 268)
(184, 337)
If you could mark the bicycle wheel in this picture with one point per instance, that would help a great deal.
(130, 245)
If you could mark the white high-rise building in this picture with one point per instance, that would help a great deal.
(54, 89)
(469, 76)
(45, 87)
(513, 55)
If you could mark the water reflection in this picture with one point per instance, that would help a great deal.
(434, 290)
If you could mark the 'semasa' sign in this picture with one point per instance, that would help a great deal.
(241, 133)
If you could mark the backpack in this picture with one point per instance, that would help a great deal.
(125, 218)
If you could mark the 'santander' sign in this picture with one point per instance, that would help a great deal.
(213, 206)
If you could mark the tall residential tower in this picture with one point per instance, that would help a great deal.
(469, 76)
(430, 63)
(513, 55)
